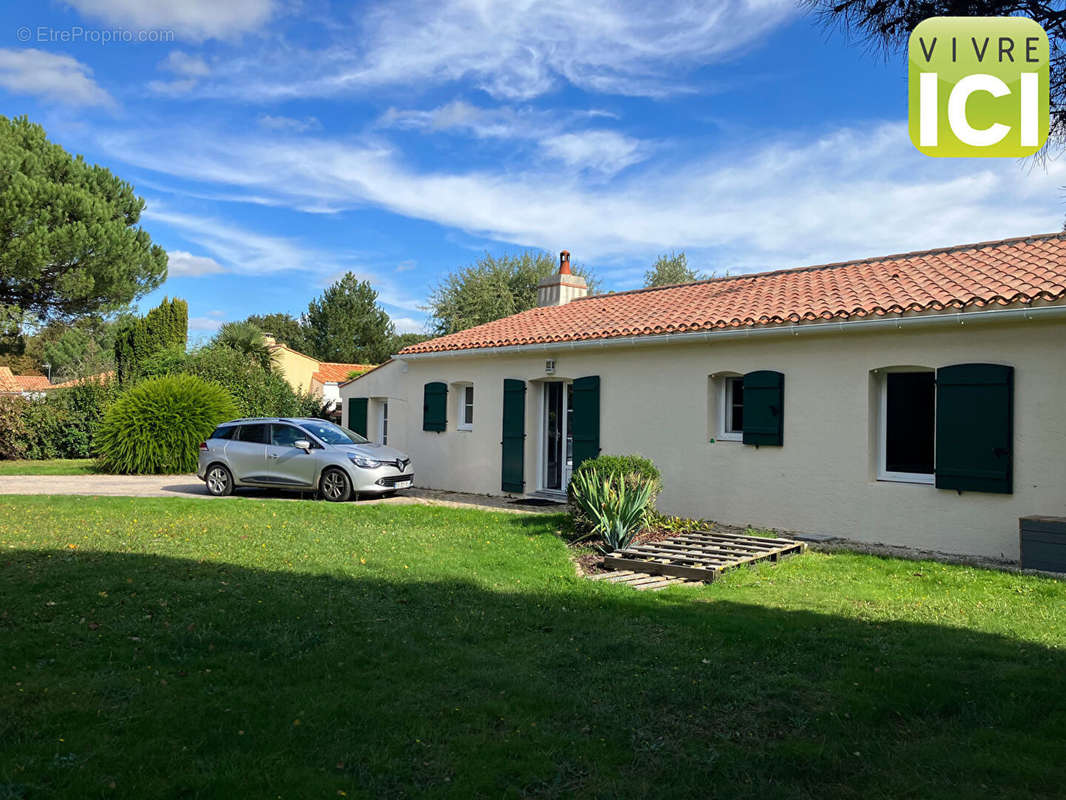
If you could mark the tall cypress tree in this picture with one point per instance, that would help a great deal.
(166, 325)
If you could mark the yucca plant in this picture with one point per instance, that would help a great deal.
(616, 507)
(156, 427)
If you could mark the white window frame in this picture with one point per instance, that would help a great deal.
(883, 474)
(383, 420)
(461, 405)
(725, 405)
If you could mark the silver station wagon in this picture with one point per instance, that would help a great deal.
(301, 454)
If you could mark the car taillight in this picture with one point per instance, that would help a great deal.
(203, 445)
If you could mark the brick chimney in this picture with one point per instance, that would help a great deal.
(561, 288)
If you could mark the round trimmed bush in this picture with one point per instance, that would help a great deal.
(156, 427)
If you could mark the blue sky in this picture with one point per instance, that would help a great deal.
(279, 144)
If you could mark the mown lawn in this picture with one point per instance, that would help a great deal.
(54, 466)
(248, 648)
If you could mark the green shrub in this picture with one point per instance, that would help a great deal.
(616, 504)
(48, 430)
(635, 470)
(169, 360)
(140, 338)
(13, 434)
(309, 405)
(258, 392)
(62, 424)
(156, 426)
(85, 405)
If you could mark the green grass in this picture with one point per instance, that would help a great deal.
(53, 466)
(249, 648)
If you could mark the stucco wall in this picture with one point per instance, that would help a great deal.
(295, 367)
(655, 401)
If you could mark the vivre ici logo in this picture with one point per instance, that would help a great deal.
(978, 86)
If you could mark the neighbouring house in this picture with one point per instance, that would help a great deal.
(915, 399)
(36, 385)
(307, 374)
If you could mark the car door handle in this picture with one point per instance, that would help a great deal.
(273, 455)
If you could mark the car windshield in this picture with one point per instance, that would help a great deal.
(333, 434)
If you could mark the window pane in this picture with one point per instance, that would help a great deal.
(332, 434)
(224, 432)
(257, 434)
(468, 405)
(910, 411)
(734, 418)
(286, 435)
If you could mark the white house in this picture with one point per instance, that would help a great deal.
(915, 399)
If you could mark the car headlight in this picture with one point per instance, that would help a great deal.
(363, 461)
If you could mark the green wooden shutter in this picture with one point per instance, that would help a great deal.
(514, 436)
(357, 414)
(435, 407)
(764, 408)
(975, 428)
(586, 431)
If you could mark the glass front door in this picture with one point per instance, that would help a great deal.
(558, 443)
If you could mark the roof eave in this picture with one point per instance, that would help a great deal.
(1049, 312)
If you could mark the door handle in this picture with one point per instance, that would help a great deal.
(273, 455)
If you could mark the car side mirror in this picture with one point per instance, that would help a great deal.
(303, 444)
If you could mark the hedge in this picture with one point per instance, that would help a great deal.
(61, 425)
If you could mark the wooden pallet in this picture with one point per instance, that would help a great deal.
(697, 555)
(642, 581)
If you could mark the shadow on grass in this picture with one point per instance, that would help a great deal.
(143, 676)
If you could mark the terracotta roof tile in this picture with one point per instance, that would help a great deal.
(963, 277)
(33, 382)
(101, 377)
(334, 372)
(8, 383)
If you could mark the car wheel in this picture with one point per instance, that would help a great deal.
(219, 481)
(335, 486)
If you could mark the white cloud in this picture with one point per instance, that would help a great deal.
(405, 265)
(181, 63)
(514, 49)
(856, 192)
(181, 264)
(251, 253)
(205, 324)
(173, 88)
(554, 132)
(603, 151)
(523, 50)
(409, 325)
(54, 77)
(189, 69)
(289, 124)
(503, 122)
(194, 19)
(240, 249)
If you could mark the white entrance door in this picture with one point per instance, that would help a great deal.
(557, 446)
